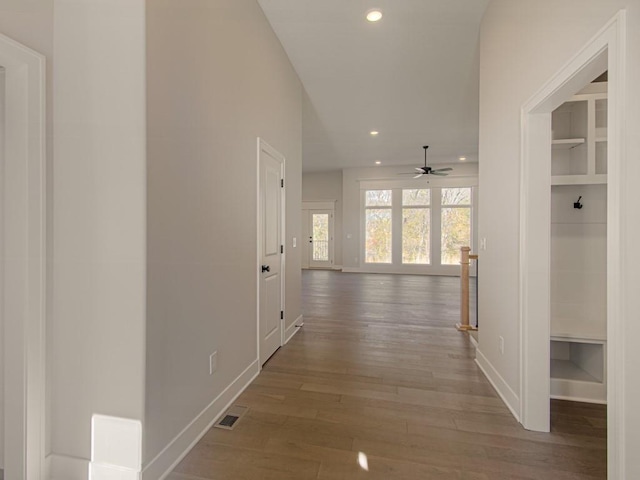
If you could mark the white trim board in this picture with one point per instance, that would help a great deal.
(605, 51)
(163, 463)
(293, 329)
(508, 396)
(61, 467)
(24, 252)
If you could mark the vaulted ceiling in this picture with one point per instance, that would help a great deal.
(412, 76)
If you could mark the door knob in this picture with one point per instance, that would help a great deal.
(266, 268)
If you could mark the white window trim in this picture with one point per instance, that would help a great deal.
(435, 251)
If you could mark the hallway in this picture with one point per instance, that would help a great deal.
(379, 379)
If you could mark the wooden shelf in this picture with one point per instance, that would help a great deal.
(566, 143)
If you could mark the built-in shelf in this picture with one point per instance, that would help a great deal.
(579, 132)
(568, 370)
(563, 329)
(566, 143)
(595, 179)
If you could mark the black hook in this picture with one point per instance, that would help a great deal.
(577, 204)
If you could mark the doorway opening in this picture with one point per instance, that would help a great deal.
(22, 259)
(604, 53)
(317, 234)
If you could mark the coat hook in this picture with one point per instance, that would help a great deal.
(577, 204)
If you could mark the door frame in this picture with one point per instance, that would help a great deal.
(605, 51)
(263, 145)
(325, 205)
(24, 244)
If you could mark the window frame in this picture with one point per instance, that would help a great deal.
(397, 186)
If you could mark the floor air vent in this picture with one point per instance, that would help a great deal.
(231, 417)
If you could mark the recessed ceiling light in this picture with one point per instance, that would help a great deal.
(462, 159)
(374, 15)
(378, 162)
(374, 133)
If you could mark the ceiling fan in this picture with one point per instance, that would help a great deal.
(420, 171)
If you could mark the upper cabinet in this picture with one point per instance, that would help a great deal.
(579, 138)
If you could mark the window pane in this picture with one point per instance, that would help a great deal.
(378, 198)
(419, 196)
(456, 233)
(378, 235)
(415, 235)
(456, 196)
(321, 237)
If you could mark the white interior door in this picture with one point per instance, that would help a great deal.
(321, 238)
(270, 320)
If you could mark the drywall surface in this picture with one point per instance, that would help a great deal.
(325, 186)
(579, 257)
(217, 80)
(97, 325)
(523, 44)
(467, 173)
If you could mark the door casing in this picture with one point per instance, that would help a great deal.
(262, 148)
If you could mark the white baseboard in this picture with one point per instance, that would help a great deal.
(337, 267)
(62, 467)
(293, 329)
(508, 396)
(177, 449)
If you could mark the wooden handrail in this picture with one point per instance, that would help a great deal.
(465, 258)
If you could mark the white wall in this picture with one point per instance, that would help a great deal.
(97, 329)
(523, 44)
(323, 186)
(217, 79)
(351, 199)
(579, 256)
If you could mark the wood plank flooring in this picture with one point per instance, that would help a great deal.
(379, 372)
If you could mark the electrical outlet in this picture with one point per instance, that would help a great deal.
(295, 242)
(501, 345)
(483, 243)
(213, 362)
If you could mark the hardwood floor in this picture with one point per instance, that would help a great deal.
(380, 373)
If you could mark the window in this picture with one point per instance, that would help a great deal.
(407, 228)
(416, 226)
(320, 237)
(378, 226)
(455, 223)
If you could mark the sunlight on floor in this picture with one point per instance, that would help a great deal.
(363, 462)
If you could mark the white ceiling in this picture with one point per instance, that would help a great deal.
(413, 77)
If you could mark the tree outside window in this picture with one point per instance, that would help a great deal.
(455, 223)
(378, 226)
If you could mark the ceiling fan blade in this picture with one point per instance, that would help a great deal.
(419, 169)
(436, 172)
(406, 173)
(448, 169)
(419, 175)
